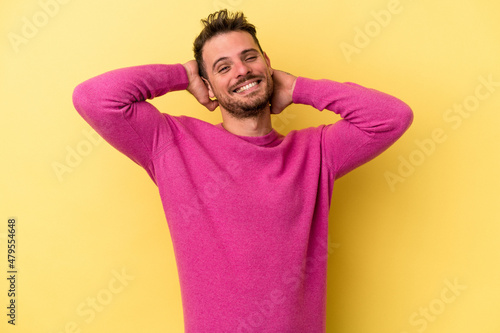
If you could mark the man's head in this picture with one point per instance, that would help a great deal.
(218, 23)
(232, 64)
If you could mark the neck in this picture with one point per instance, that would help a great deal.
(255, 126)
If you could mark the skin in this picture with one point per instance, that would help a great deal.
(233, 60)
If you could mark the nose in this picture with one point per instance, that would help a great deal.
(242, 68)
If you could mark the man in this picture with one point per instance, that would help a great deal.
(247, 207)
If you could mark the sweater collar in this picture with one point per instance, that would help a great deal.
(264, 140)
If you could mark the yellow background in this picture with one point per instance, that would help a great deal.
(398, 244)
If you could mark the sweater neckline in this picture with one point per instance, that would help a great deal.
(263, 140)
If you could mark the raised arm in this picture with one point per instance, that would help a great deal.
(372, 120)
(114, 104)
(197, 87)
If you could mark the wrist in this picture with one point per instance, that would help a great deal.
(298, 87)
(191, 68)
(293, 87)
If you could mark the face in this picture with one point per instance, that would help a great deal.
(239, 75)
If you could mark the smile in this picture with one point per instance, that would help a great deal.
(246, 87)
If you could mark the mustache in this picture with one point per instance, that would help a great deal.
(244, 79)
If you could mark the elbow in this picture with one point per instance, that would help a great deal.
(77, 96)
(405, 117)
(395, 120)
(402, 117)
(82, 99)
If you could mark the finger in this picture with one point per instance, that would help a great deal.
(204, 100)
(275, 110)
(212, 105)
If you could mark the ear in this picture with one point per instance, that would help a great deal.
(268, 62)
(209, 87)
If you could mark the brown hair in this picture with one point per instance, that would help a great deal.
(216, 24)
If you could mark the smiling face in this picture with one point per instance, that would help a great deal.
(239, 75)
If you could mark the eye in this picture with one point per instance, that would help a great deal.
(252, 58)
(223, 69)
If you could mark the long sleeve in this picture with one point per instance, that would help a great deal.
(371, 121)
(114, 104)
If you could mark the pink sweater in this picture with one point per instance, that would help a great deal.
(248, 216)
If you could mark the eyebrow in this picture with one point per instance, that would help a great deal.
(225, 58)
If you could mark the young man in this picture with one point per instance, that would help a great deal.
(247, 207)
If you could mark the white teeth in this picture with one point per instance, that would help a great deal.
(248, 86)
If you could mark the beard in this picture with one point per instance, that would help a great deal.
(254, 106)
